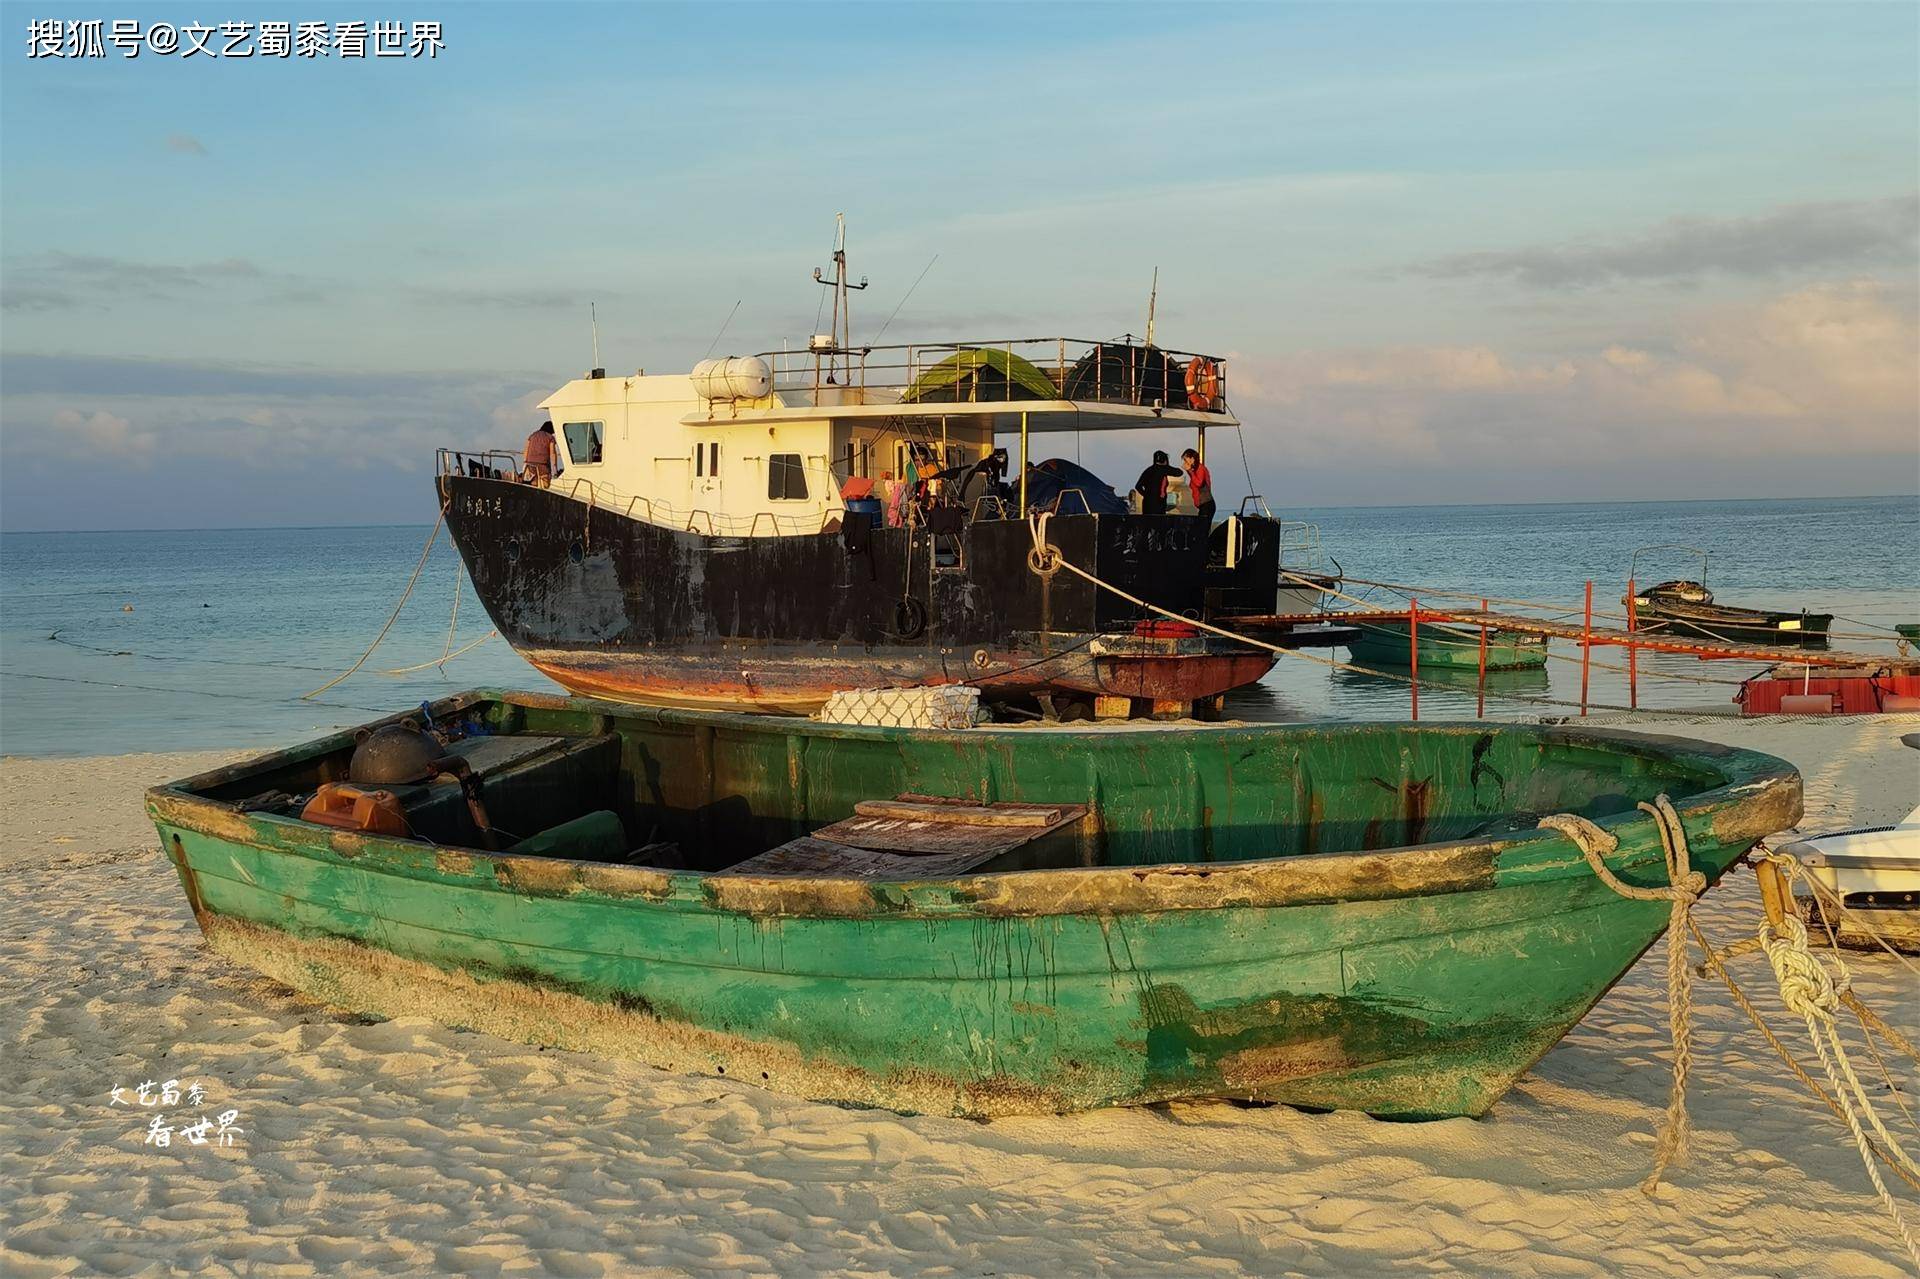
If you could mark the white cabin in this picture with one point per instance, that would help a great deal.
(763, 445)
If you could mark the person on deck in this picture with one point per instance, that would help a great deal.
(1152, 484)
(1199, 484)
(892, 491)
(541, 454)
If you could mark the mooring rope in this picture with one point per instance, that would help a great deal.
(1683, 888)
(445, 658)
(392, 617)
(1044, 560)
(1716, 963)
(1806, 987)
(1809, 989)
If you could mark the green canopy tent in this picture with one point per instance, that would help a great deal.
(980, 376)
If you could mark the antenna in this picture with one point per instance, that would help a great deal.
(875, 339)
(593, 318)
(723, 329)
(1153, 297)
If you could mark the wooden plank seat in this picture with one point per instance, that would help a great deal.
(929, 837)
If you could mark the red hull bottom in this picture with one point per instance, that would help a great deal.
(748, 678)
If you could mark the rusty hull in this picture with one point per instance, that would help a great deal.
(616, 607)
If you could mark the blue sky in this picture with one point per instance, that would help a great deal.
(1457, 253)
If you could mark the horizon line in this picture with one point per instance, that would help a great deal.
(1345, 506)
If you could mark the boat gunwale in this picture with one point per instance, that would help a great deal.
(1404, 871)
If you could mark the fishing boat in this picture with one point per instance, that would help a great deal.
(1445, 647)
(1688, 608)
(722, 538)
(1684, 606)
(975, 922)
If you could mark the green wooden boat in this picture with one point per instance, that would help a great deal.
(1356, 916)
(1447, 647)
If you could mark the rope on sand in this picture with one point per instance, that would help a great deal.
(1683, 888)
(1806, 986)
(1716, 963)
(1810, 989)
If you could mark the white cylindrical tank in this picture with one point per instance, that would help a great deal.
(733, 377)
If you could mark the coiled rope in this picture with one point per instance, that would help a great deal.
(1684, 886)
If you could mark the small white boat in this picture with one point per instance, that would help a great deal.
(1874, 875)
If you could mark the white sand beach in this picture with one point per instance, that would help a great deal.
(406, 1147)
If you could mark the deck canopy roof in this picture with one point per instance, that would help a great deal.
(1053, 384)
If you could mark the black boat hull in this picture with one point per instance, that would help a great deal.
(617, 607)
(1742, 625)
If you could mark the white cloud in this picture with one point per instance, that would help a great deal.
(105, 437)
(1833, 368)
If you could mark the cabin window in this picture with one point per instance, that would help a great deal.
(584, 442)
(786, 478)
(706, 460)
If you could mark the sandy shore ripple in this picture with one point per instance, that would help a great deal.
(404, 1147)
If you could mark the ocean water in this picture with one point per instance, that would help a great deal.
(113, 642)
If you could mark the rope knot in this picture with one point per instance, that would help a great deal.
(1044, 559)
(1805, 984)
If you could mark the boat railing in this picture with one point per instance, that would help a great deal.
(1060, 502)
(990, 507)
(1009, 370)
(1300, 550)
(507, 466)
(489, 464)
(696, 520)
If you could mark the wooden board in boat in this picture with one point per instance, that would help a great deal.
(914, 837)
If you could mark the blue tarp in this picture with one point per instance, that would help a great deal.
(1055, 477)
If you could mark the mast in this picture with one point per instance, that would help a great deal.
(841, 331)
(842, 312)
(1152, 297)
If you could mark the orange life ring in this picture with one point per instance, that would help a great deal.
(1203, 383)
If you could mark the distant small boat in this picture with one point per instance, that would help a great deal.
(1446, 647)
(1688, 608)
(1684, 606)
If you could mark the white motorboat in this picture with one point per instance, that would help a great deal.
(1873, 875)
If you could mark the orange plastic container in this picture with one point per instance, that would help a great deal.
(349, 807)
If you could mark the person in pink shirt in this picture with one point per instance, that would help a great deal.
(542, 452)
